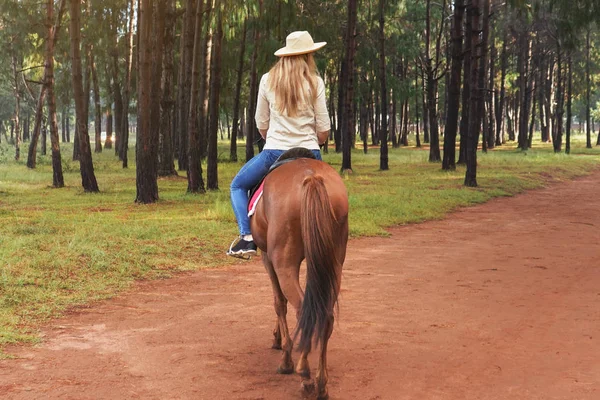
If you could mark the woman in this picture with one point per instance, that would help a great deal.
(291, 111)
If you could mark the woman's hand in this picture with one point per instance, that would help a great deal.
(322, 137)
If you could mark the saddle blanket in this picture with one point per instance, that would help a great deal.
(254, 200)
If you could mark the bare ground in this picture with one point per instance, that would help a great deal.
(498, 301)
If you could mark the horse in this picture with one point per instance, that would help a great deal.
(303, 214)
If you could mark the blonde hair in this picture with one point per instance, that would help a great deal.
(288, 79)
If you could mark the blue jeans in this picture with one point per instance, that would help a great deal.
(248, 177)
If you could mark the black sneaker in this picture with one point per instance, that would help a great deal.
(243, 248)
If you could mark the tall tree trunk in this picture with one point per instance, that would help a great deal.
(57, 173)
(109, 128)
(166, 164)
(238, 90)
(185, 76)
(569, 107)
(150, 37)
(86, 167)
(491, 94)
(450, 128)
(588, 85)
(250, 120)
(432, 86)
(194, 175)
(483, 67)
(417, 138)
(127, 93)
(17, 127)
(212, 181)
(63, 117)
(473, 131)
(383, 155)
(522, 63)
(116, 91)
(500, 106)
(205, 80)
(468, 59)
(97, 105)
(37, 126)
(557, 133)
(348, 130)
(342, 79)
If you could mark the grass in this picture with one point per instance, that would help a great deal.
(62, 248)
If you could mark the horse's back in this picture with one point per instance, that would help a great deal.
(278, 215)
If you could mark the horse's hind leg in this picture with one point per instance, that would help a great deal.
(322, 377)
(281, 334)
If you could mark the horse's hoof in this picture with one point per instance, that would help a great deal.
(308, 387)
(285, 370)
(323, 396)
(276, 346)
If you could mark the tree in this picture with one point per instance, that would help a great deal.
(212, 181)
(448, 162)
(194, 175)
(86, 167)
(383, 163)
(348, 83)
(57, 173)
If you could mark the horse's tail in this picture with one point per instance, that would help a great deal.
(318, 225)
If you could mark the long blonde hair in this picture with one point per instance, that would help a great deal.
(288, 79)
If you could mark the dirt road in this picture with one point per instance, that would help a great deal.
(498, 301)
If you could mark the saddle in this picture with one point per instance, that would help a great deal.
(289, 155)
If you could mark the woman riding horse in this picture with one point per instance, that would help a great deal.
(291, 111)
(303, 212)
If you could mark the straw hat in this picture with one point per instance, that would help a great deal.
(299, 42)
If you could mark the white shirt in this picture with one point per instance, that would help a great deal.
(286, 132)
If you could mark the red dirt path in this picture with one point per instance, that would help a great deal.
(498, 301)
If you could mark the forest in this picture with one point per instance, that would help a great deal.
(169, 82)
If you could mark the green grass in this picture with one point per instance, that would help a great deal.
(61, 248)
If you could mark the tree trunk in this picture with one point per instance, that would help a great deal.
(522, 63)
(483, 67)
(150, 34)
(127, 95)
(212, 181)
(116, 93)
(432, 86)
(57, 173)
(500, 106)
(417, 138)
(166, 164)
(37, 126)
(17, 127)
(250, 120)
(383, 155)
(195, 181)
(588, 85)
(348, 130)
(491, 97)
(184, 83)
(97, 105)
(342, 79)
(238, 90)
(68, 126)
(450, 128)
(557, 133)
(473, 126)
(569, 107)
(109, 128)
(467, 83)
(205, 64)
(86, 167)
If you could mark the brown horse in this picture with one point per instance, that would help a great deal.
(303, 214)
